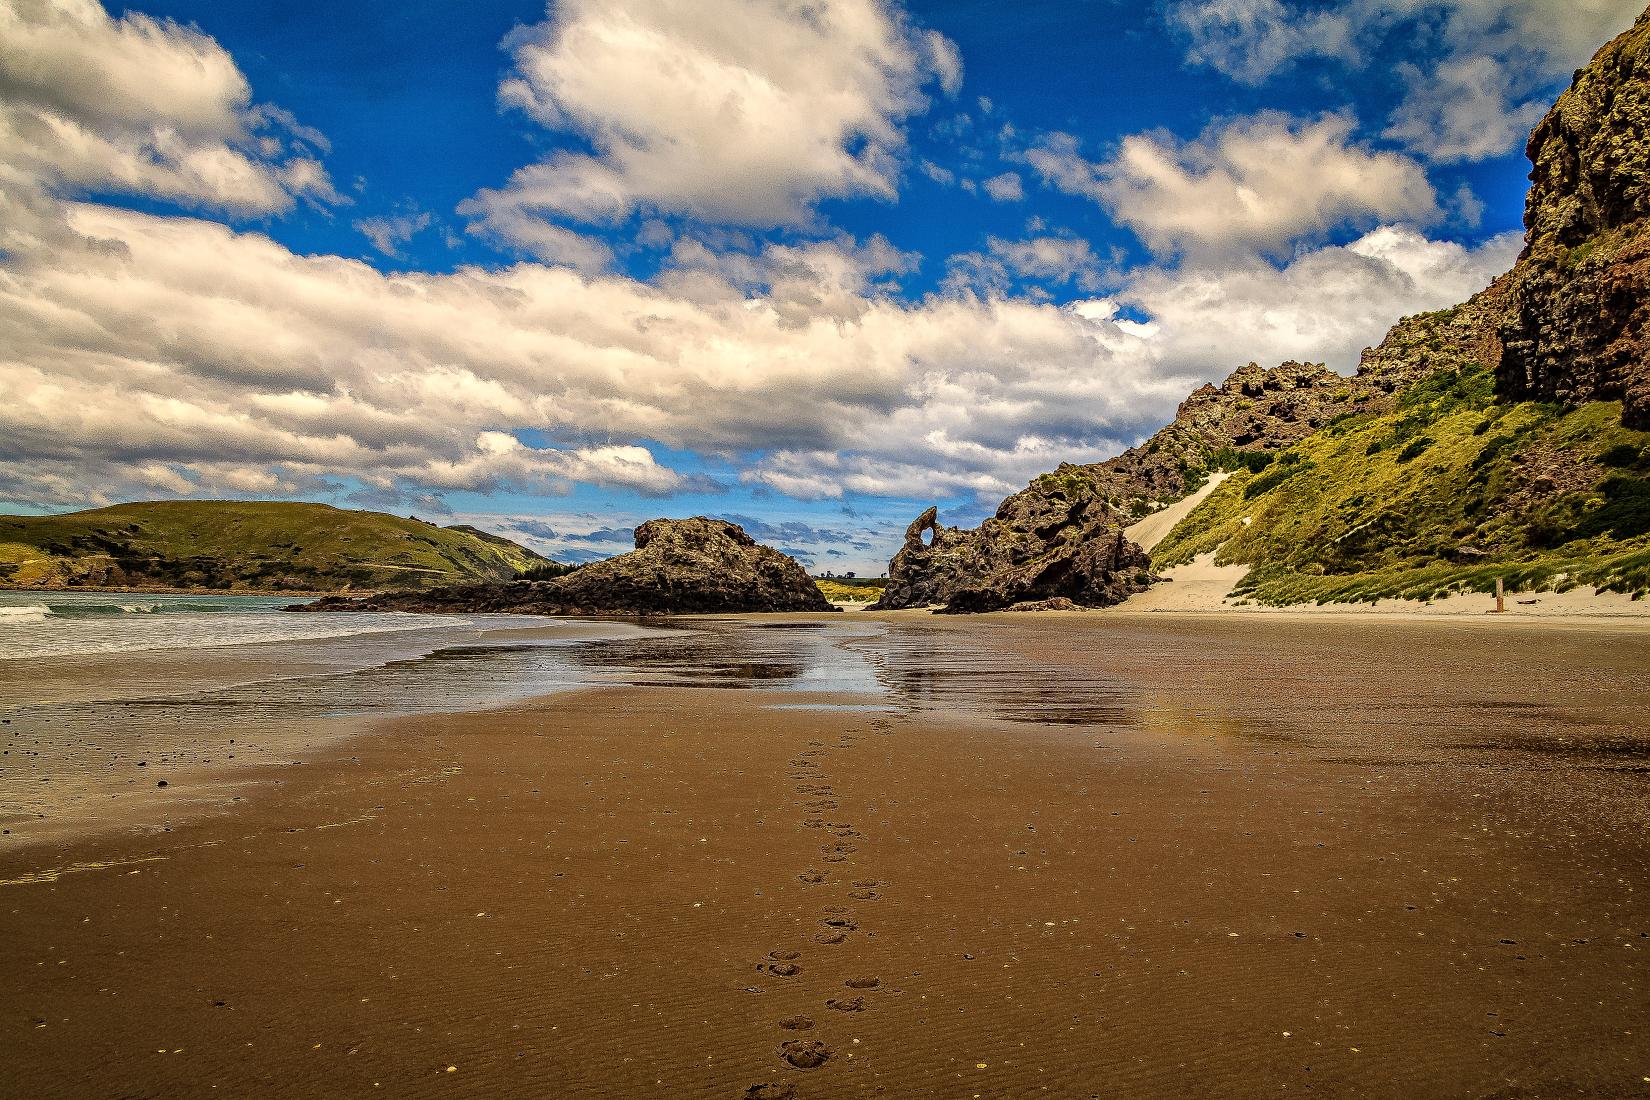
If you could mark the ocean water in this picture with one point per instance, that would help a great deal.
(66, 624)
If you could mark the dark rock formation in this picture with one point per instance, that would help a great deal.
(678, 567)
(1061, 537)
(1580, 324)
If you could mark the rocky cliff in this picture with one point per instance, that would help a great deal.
(1579, 328)
(1062, 536)
(678, 567)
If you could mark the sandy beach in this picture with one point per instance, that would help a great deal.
(1126, 857)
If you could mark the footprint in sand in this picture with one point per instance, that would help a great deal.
(842, 922)
(783, 963)
(846, 1004)
(836, 858)
(812, 878)
(867, 883)
(840, 848)
(862, 983)
(797, 1023)
(831, 938)
(771, 1092)
(805, 1053)
(845, 833)
(864, 895)
(820, 804)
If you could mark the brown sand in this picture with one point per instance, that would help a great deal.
(1388, 860)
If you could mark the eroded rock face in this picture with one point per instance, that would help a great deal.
(678, 567)
(1060, 537)
(1580, 324)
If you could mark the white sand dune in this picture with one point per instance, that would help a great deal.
(1156, 527)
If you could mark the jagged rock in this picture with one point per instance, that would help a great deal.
(1061, 537)
(678, 567)
(1580, 324)
(1059, 603)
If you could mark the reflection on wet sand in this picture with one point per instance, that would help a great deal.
(1109, 856)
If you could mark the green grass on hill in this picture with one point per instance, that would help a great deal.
(1444, 494)
(251, 546)
(839, 590)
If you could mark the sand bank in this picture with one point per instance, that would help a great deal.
(1202, 586)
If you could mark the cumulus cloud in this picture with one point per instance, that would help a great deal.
(1465, 109)
(192, 358)
(144, 107)
(1326, 306)
(1048, 261)
(145, 355)
(1249, 40)
(1261, 183)
(743, 112)
(1484, 71)
(1005, 188)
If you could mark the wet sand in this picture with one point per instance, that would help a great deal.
(1119, 857)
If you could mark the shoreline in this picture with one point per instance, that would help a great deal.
(129, 591)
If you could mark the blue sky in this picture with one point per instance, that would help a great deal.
(557, 270)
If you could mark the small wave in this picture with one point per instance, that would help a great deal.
(29, 613)
(89, 610)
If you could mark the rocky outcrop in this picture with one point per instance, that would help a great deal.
(1060, 537)
(1254, 409)
(1579, 328)
(678, 567)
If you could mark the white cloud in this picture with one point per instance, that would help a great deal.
(1466, 109)
(388, 232)
(144, 355)
(1053, 261)
(1252, 184)
(946, 61)
(742, 112)
(1479, 71)
(1005, 188)
(1326, 306)
(141, 106)
(1249, 40)
(193, 355)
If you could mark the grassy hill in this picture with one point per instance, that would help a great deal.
(250, 546)
(1444, 493)
(850, 590)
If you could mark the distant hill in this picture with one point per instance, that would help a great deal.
(248, 546)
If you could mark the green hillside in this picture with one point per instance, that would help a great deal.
(1446, 492)
(850, 590)
(249, 546)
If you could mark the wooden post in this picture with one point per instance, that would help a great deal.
(1500, 596)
